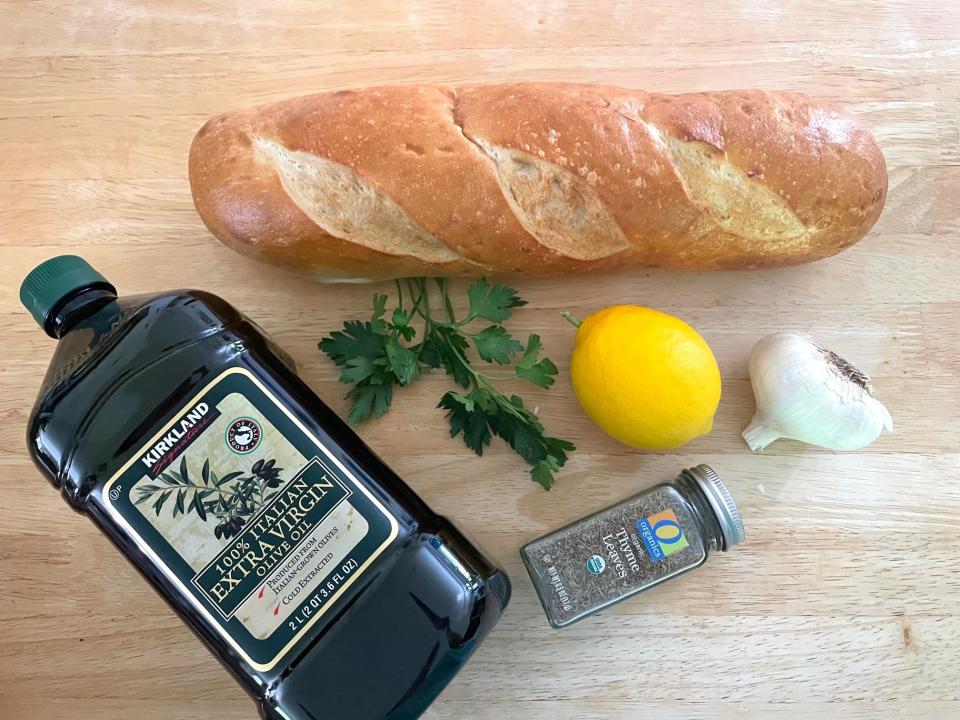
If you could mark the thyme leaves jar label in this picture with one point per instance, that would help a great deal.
(260, 524)
(633, 545)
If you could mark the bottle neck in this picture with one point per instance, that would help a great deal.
(706, 517)
(76, 307)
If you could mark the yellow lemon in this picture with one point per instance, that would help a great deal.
(645, 377)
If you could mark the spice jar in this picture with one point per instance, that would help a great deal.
(633, 545)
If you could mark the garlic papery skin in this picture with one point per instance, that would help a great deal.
(808, 393)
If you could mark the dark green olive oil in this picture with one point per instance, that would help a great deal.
(311, 571)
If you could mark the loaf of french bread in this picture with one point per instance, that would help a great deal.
(536, 179)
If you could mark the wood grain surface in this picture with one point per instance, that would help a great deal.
(844, 600)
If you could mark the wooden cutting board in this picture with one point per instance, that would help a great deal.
(842, 603)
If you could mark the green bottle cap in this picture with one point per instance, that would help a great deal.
(53, 280)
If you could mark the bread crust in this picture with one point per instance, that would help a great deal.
(535, 179)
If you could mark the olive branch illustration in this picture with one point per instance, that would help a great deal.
(231, 499)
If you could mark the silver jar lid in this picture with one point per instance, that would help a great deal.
(731, 524)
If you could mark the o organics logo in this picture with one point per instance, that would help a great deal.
(596, 564)
(243, 435)
(662, 534)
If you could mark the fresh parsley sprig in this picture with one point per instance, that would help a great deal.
(378, 354)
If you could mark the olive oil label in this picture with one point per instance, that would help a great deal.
(256, 520)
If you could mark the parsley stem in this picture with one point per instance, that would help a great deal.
(399, 294)
(474, 375)
(447, 305)
(481, 381)
(503, 402)
(466, 321)
(425, 294)
(571, 319)
(417, 298)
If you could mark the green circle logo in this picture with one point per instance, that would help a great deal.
(596, 564)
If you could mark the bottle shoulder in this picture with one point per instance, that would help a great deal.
(137, 316)
(110, 368)
(146, 363)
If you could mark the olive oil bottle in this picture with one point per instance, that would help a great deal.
(312, 572)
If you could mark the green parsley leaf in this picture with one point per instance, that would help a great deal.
(379, 305)
(485, 399)
(494, 344)
(539, 373)
(369, 400)
(543, 473)
(403, 361)
(401, 323)
(558, 448)
(523, 432)
(430, 354)
(357, 370)
(449, 347)
(357, 339)
(464, 415)
(492, 302)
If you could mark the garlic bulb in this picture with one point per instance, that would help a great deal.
(808, 393)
